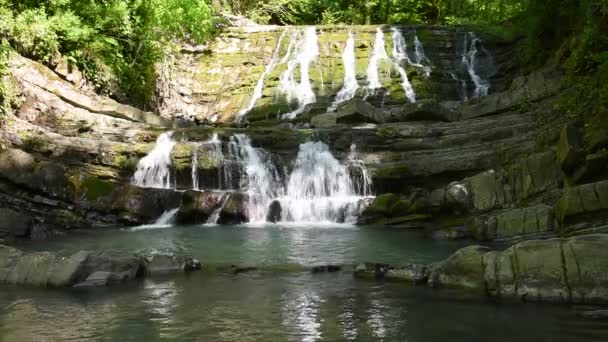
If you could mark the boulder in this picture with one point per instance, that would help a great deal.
(423, 110)
(463, 269)
(125, 266)
(486, 190)
(357, 111)
(235, 209)
(582, 199)
(554, 270)
(586, 269)
(324, 120)
(457, 196)
(85, 269)
(197, 206)
(570, 152)
(415, 274)
(540, 271)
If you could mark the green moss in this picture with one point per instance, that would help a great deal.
(96, 188)
(392, 171)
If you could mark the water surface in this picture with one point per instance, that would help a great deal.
(275, 305)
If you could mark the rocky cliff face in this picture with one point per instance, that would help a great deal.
(504, 166)
(218, 80)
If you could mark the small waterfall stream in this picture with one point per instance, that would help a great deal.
(350, 76)
(399, 57)
(469, 60)
(305, 53)
(378, 54)
(154, 170)
(260, 180)
(257, 92)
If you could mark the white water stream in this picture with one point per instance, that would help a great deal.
(154, 170)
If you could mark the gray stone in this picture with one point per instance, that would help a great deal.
(463, 269)
(324, 120)
(68, 271)
(486, 190)
(570, 152)
(14, 223)
(416, 274)
(356, 111)
(167, 264)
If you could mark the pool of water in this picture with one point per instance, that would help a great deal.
(275, 306)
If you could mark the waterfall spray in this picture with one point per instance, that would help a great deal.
(154, 170)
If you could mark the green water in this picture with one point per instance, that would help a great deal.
(280, 303)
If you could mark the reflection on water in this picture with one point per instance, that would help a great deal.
(288, 307)
(276, 306)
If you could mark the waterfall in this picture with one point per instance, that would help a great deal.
(261, 179)
(215, 215)
(400, 56)
(420, 56)
(319, 189)
(195, 148)
(154, 170)
(257, 92)
(166, 218)
(350, 76)
(362, 180)
(378, 54)
(306, 52)
(469, 60)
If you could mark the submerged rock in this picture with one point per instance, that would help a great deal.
(166, 264)
(84, 269)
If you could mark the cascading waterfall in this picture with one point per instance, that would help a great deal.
(350, 76)
(400, 56)
(305, 53)
(261, 180)
(420, 56)
(257, 92)
(319, 189)
(378, 54)
(362, 180)
(194, 172)
(469, 60)
(154, 170)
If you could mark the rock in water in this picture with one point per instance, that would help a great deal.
(274, 212)
(167, 264)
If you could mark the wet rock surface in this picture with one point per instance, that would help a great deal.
(85, 269)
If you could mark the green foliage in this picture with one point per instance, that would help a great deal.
(115, 42)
